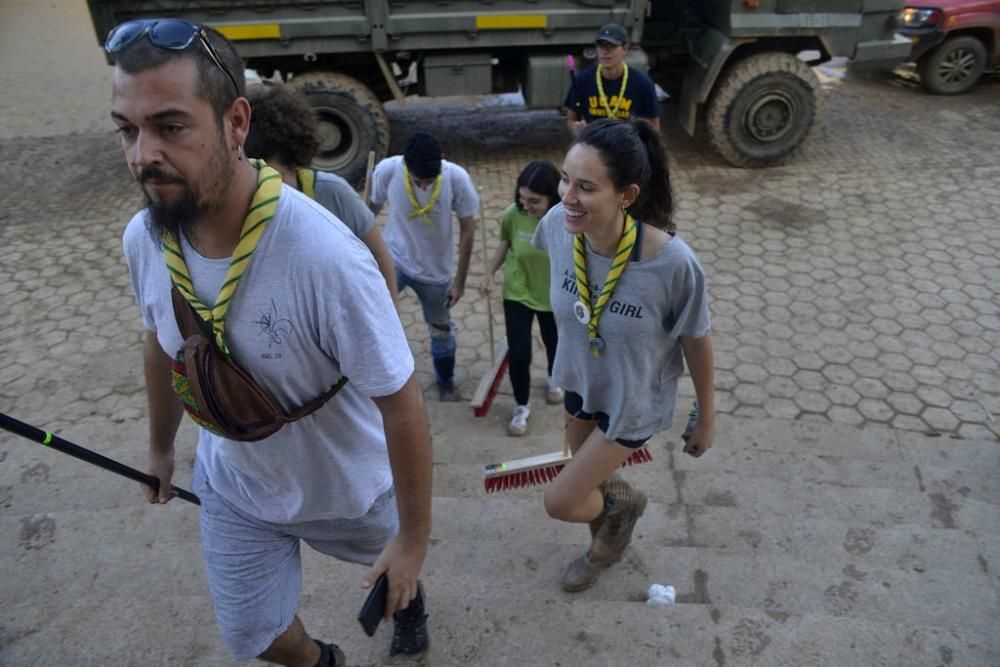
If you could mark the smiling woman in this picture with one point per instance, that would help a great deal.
(630, 304)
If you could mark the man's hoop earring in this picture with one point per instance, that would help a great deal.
(239, 152)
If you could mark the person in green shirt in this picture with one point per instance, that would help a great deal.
(526, 285)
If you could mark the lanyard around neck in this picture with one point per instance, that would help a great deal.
(262, 208)
(612, 113)
(307, 182)
(424, 210)
(589, 313)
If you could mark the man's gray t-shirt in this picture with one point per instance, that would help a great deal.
(656, 300)
(338, 197)
(310, 308)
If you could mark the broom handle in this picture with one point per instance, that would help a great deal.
(486, 271)
(368, 177)
(66, 447)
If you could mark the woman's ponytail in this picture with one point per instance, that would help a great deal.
(655, 204)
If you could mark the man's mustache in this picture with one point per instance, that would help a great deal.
(155, 173)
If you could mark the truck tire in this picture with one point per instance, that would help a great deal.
(953, 67)
(762, 109)
(351, 120)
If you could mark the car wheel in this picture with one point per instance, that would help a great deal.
(954, 67)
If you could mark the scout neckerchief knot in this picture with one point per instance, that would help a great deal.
(591, 315)
(621, 92)
(419, 210)
(307, 182)
(262, 207)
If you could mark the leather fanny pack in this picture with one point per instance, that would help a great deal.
(220, 395)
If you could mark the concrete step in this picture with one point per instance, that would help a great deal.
(836, 586)
(505, 632)
(713, 500)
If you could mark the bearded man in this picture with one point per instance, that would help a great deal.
(292, 297)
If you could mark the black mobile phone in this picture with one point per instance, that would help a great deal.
(373, 609)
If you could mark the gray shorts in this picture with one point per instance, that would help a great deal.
(255, 570)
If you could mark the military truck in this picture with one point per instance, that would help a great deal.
(736, 68)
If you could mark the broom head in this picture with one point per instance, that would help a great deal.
(490, 384)
(542, 469)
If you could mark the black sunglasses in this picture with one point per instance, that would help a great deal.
(173, 34)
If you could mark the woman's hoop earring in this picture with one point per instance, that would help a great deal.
(239, 152)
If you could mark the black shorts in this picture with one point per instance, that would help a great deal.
(574, 403)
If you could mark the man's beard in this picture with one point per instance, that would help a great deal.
(181, 216)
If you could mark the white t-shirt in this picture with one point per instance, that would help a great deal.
(310, 308)
(424, 251)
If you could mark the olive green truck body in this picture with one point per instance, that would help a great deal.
(735, 66)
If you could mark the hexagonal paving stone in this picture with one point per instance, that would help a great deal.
(905, 403)
(875, 410)
(812, 401)
(750, 394)
(940, 419)
(934, 396)
(845, 415)
(871, 388)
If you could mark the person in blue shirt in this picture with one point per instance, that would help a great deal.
(610, 88)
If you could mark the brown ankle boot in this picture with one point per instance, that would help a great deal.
(613, 484)
(623, 507)
(581, 573)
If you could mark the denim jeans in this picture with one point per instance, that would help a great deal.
(438, 317)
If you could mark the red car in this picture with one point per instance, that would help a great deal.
(954, 42)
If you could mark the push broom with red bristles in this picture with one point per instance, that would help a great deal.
(489, 386)
(542, 469)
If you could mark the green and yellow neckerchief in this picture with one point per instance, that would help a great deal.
(612, 113)
(419, 210)
(307, 182)
(587, 313)
(262, 208)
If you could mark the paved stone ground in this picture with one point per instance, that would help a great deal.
(857, 285)
(856, 310)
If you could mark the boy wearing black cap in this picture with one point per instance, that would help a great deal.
(610, 88)
(422, 190)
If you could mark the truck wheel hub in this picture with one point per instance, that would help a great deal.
(337, 138)
(770, 116)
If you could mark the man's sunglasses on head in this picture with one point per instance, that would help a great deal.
(173, 34)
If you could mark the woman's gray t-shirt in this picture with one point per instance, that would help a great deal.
(656, 300)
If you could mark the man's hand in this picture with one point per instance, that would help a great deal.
(161, 466)
(401, 560)
(165, 412)
(455, 292)
(408, 438)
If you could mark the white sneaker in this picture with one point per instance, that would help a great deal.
(519, 421)
(554, 394)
